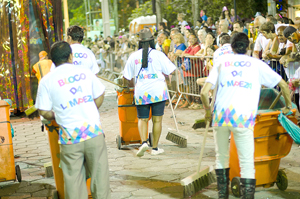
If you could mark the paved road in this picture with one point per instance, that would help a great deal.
(131, 177)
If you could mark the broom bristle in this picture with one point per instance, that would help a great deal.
(177, 139)
(198, 181)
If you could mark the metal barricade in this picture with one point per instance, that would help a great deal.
(286, 73)
(189, 69)
(114, 64)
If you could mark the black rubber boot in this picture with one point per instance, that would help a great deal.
(223, 183)
(247, 188)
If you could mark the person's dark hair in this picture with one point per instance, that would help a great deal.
(200, 20)
(272, 19)
(291, 22)
(211, 47)
(60, 52)
(284, 20)
(163, 25)
(225, 39)
(223, 34)
(233, 32)
(146, 41)
(268, 27)
(281, 28)
(239, 43)
(208, 30)
(105, 41)
(288, 31)
(212, 34)
(145, 46)
(223, 14)
(241, 24)
(76, 33)
(191, 31)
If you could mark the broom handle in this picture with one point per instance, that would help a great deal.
(276, 100)
(110, 81)
(172, 110)
(208, 122)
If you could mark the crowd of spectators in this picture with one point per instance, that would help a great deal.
(191, 47)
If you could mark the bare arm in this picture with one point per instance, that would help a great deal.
(286, 94)
(178, 52)
(275, 45)
(205, 100)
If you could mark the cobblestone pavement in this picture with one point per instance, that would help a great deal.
(156, 177)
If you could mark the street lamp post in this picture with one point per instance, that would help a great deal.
(66, 16)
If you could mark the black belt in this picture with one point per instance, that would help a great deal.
(5, 122)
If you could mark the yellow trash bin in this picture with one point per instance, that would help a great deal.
(52, 130)
(8, 169)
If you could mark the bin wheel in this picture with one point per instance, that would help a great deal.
(235, 186)
(150, 139)
(18, 173)
(118, 141)
(55, 195)
(281, 181)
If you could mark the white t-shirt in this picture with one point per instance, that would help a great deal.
(150, 85)
(84, 57)
(69, 91)
(240, 81)
(261, 43)
(223, 50)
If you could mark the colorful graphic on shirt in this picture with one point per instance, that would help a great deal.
(229, 117)
(77, 101)
(238, 64)
(80, 55)
(139, 61)
(71, 79)
(148, 76)
(241, 84)
(81, 134)
(148, 99)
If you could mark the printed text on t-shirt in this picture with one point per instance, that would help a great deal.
(71, 79)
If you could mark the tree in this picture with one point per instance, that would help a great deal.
(245, 9)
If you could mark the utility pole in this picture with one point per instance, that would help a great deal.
(116, 17)
(235, 14)
(196, 11)
(158, 12)
(66, 16)
(105, 17)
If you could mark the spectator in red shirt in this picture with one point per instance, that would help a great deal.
(190, 66)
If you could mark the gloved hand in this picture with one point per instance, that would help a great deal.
(34, 115)
(208, 116)
(285, 110)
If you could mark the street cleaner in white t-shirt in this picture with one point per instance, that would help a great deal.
(71, 95)
(147, 66)
(81, 55)
(239, 79)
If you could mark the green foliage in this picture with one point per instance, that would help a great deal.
(143, 10)
(245, 9)
(78, 16)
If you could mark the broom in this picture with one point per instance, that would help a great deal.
(174, 136)
(202, 178)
